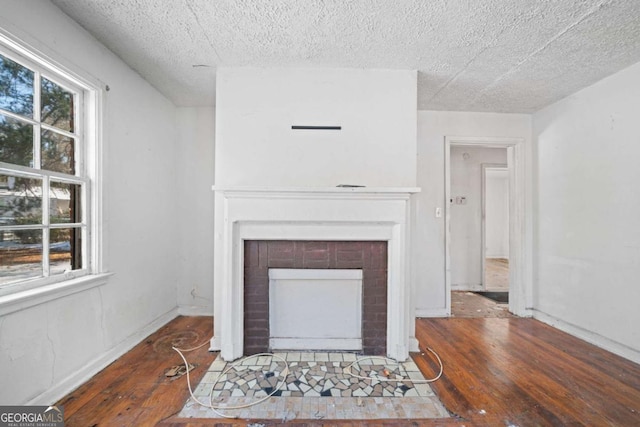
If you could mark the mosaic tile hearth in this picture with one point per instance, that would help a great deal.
(317, 381)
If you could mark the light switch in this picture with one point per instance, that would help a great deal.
(438, 212)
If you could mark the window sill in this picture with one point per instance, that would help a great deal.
(40, 295)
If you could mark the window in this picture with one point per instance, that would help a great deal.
(45, 178)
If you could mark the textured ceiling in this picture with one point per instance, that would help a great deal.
(474, 55)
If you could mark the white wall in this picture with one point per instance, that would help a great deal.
(466, 219)
(588, 210)
(497, 213)
(428, 233)
(256, 108)
(195, 165)
(48, 348)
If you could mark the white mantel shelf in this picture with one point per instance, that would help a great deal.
(336, 190)
(311, 213)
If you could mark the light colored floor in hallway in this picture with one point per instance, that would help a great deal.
(468, 304)
(496, 276)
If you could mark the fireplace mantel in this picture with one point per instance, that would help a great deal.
(327, 213)
(317, 190)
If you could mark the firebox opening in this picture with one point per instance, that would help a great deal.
(315, 309)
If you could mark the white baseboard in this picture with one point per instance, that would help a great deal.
(414, 345)
(588, 336)
(195, 310)
(79, 377)
(432, 312)
(215, 344)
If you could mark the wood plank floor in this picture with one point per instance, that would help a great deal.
(133, 390)
(514, 371)
(498, 372)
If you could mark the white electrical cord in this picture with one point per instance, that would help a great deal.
(192, 349)
(215, 408)
(347, 370)
(284, 374)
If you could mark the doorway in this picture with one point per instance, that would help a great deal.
(495, 231)
(519, 286)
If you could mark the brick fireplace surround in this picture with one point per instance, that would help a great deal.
(260, 255)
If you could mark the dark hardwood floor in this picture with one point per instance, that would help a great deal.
(133, 390)
(498, 372)
(514, 371)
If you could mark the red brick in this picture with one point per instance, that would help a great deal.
(281, 263)
(377, 291)
(263, 253)
(311, 246)
(317, 255)
(280, 250)
(317, 264)
(378, 257)
(348, 264)
(256, 307)
(346, 256)
(370, 273)
(333, 253)
(251, 255)
(368, 299)
(352, 246)
(253, 283)
(298, 256)
(250, 324)
(369, 256)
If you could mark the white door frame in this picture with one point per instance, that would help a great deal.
(520, 284)
(483, 217)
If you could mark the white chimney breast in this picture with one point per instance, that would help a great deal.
(256, 107)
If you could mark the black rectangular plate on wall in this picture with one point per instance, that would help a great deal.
(299, 127)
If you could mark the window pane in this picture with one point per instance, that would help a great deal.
(64, 202)
(20, 200)
(57, 106)
(16, 142)
(16, 87)
(65, 250)
(20, 261)
(57, 152)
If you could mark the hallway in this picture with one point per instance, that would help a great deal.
(470, 305)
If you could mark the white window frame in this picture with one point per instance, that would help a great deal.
(23, 294)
